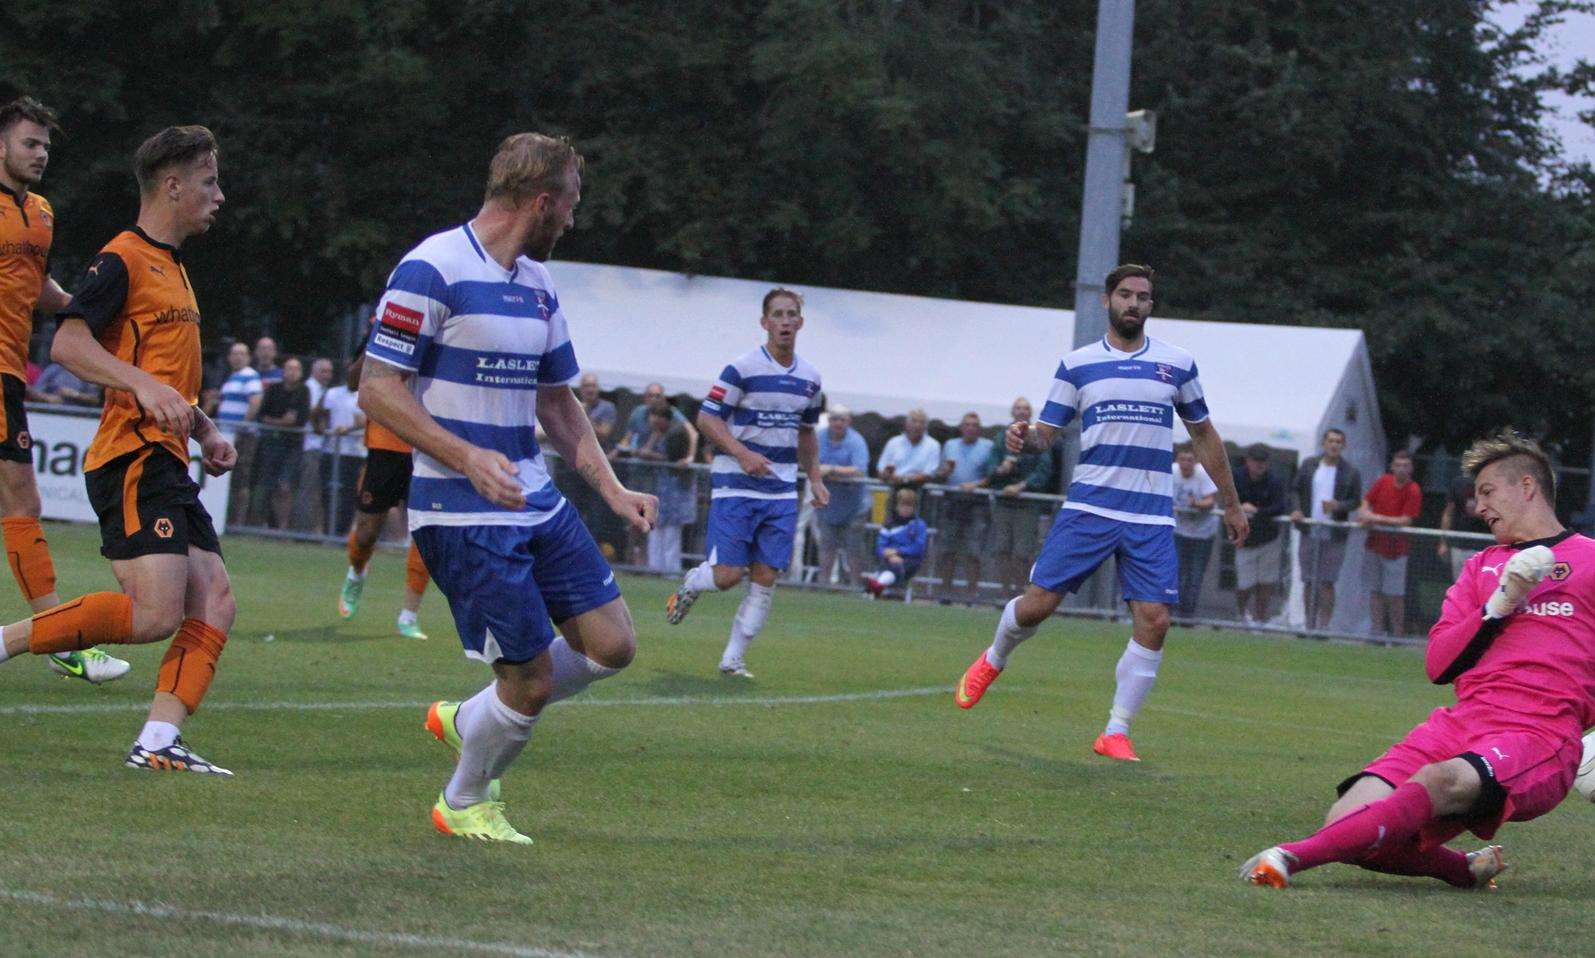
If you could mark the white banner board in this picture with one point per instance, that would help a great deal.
(61, 440)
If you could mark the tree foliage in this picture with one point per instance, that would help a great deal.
(1360, 163)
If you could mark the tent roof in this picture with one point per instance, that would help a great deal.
(888, 353)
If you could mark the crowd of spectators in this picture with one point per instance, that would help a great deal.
(300, 436)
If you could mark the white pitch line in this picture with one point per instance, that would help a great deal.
(92, 708)
(293, 926)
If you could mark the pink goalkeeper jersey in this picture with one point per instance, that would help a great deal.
(1541, 661)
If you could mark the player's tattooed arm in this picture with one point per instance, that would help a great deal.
(216, 453)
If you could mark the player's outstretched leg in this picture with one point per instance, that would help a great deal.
(1134, 677)
(1010, 633)
(28, 555)
(700, 578)
(415, 580)
(442, 720)
(746, 625)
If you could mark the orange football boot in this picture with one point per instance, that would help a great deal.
(977, 678)
(1116, 746)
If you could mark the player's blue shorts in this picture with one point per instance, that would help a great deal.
(1149, 570)
(743, 530)
(505, 583)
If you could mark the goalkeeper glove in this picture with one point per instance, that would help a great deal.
(1523, 572)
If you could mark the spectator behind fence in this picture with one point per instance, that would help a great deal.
(911, 457)
(843, 456)
(600, 411)
(343, 451)
(965, 515)
(1259, 561)
(240, 401)
(266, 361)
(1327, 490)
(1394, 500)
(308, 504)
(58, 386)
(653, 397)
(900, 544)
(1014, 521)
(1195, 525)
(1461, 515)
(286, 405)
(667, 449)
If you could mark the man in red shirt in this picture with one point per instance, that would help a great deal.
(1393, 500)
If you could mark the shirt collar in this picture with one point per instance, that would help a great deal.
(139, 232)
(476, 244)
(1548, 541)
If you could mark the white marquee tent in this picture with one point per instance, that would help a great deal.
(886, 353)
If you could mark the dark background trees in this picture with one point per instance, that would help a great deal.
(1361, 163)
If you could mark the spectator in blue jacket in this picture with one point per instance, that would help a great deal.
(900, 545)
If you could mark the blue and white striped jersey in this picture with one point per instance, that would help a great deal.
(480, 339)
(1127, 403)
(764, 403)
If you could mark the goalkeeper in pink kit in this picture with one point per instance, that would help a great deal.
(1517, 639)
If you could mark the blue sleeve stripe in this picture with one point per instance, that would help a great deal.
(1057, 414)
(421, 278)
(1193, 411)
(559, 366)
(393, 356)
(731, 377)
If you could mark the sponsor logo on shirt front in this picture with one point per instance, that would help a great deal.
(507, 370)
(1560, 610)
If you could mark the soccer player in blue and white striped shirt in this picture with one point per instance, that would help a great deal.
(1126, 388)
(470, 353)
(760, 414)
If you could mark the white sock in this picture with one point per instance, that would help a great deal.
(1136, 672)
(573, 671)
(755, 608)
(886, 577)
(355, 576)
(3, 654)
(1009, 634)
(406, 617)
(157, 735)
(700, 578)
(491, 735)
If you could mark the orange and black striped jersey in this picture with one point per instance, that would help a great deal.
(137, 300)
(379, 436)
(27, 228)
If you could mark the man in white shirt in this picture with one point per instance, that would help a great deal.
(1327, 489)
(911, 458)
(343, 450)
(1195, 525)
(308, 512)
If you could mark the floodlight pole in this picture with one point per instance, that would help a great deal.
(1106, 153)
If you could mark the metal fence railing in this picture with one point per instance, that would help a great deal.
(1384, 584)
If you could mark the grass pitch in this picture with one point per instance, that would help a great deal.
(832, 807)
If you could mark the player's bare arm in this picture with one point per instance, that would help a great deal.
(1023, 435)
(52, 298)
(719, 433)
(808, 452)
(1209, 449)
(560, 413)
(216, 454)
(386, 398)
(76, 348)
(352, 374)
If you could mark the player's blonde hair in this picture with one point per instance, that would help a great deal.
(528, 164)
(1519, 452)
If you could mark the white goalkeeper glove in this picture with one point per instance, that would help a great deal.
(1523, 572)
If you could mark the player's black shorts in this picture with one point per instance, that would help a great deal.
(148, 504)
(385, 481)
(17, 443)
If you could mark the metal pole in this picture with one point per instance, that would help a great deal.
(1103, 203)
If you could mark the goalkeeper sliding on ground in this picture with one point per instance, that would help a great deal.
(1517, 639)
